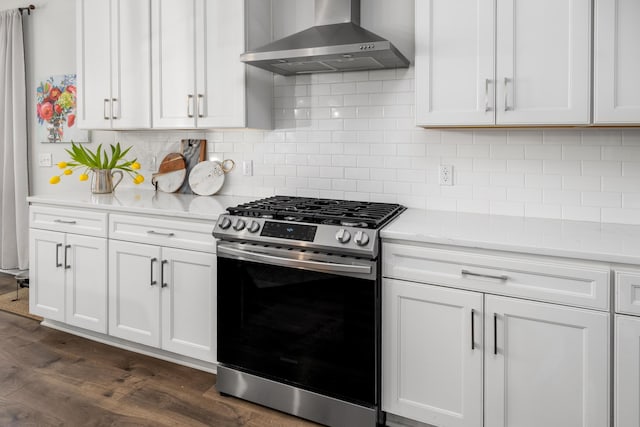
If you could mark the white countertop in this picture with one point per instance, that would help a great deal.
(617, 243)
(147, 202)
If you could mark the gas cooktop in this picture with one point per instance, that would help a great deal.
(328, 225)
(320, 211)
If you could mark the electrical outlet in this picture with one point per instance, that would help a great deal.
(247, 167)
(45, 160)
(446, 175)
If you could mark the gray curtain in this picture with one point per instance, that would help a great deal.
(14, 213)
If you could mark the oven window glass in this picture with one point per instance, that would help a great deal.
(312, 330)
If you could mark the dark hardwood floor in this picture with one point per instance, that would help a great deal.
(50, 378)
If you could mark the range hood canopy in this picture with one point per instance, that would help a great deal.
(335, 43)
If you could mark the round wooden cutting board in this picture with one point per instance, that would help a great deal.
(171, 173)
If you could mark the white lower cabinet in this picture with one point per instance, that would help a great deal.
(627, 371)
(68, 280)
(163, 297)
(545, 365)
(432, 355)
(457, 356)
(627, 348)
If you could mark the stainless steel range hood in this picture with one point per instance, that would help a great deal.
(335, 43)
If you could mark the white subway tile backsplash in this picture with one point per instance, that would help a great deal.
(561, 197)
(581, 213)
(561, 167)
(353, 135)
(561, 136)
(631, 200)
(506, 179)
(369, 87)
(601, 199)
(583, 183)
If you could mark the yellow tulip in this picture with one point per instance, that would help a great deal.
(138, 179)
(83, 177)
(135, 165)
(68, 171)
(54, 179)
(62, 165)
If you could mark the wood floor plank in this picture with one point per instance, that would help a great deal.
(50, 378)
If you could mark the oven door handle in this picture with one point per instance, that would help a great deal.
(295, 263)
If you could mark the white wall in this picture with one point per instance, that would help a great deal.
(351, 135)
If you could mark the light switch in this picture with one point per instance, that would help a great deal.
(45, 160)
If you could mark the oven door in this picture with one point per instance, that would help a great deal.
(300, 318)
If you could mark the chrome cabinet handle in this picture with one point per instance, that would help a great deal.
(151, 281)
(157, 233)
(104, 109)
(62, 221)
(486, 95)
(113, 108)
(506, 106)
(162, 282)
(189, 105)
(486, 276)
(58, 263)
(200, 105)
(473, 344)
(66, 248)
(495, 333)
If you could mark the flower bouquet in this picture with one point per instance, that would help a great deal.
(102, 164)
(56, 105)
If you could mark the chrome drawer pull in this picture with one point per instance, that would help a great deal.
(486, 276)
(62, 221)
(157, 233)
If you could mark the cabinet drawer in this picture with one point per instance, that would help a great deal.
(628, 291)
(176, 233)
(75, 221)
(546, 279)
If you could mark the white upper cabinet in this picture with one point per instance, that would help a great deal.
(198, 79)
(114, 64)
(455, 62)
(541, 51)
(617, 62)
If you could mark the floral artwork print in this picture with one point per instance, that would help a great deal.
(56, 110)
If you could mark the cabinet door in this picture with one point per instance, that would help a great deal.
(131, 64)
(93, 38)
(432, 353)
(617, 62)
(627, 371)
(173, 44)
(86, 282)
(46, 271)
(220, 40)
(544, 62)
(545, 365)
(134, 300)
(455, 62)
(189, 303)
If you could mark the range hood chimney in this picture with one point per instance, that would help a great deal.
(336, 42)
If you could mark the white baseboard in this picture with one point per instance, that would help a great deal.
(131, 346)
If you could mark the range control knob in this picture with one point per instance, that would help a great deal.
(361, 238)
(343, 236)
(253, 226)
(239, 225)
(225, 223)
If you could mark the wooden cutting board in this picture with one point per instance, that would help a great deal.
(171, 173)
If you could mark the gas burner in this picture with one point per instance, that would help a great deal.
(354, 224)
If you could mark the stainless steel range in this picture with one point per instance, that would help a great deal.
(299, 306)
